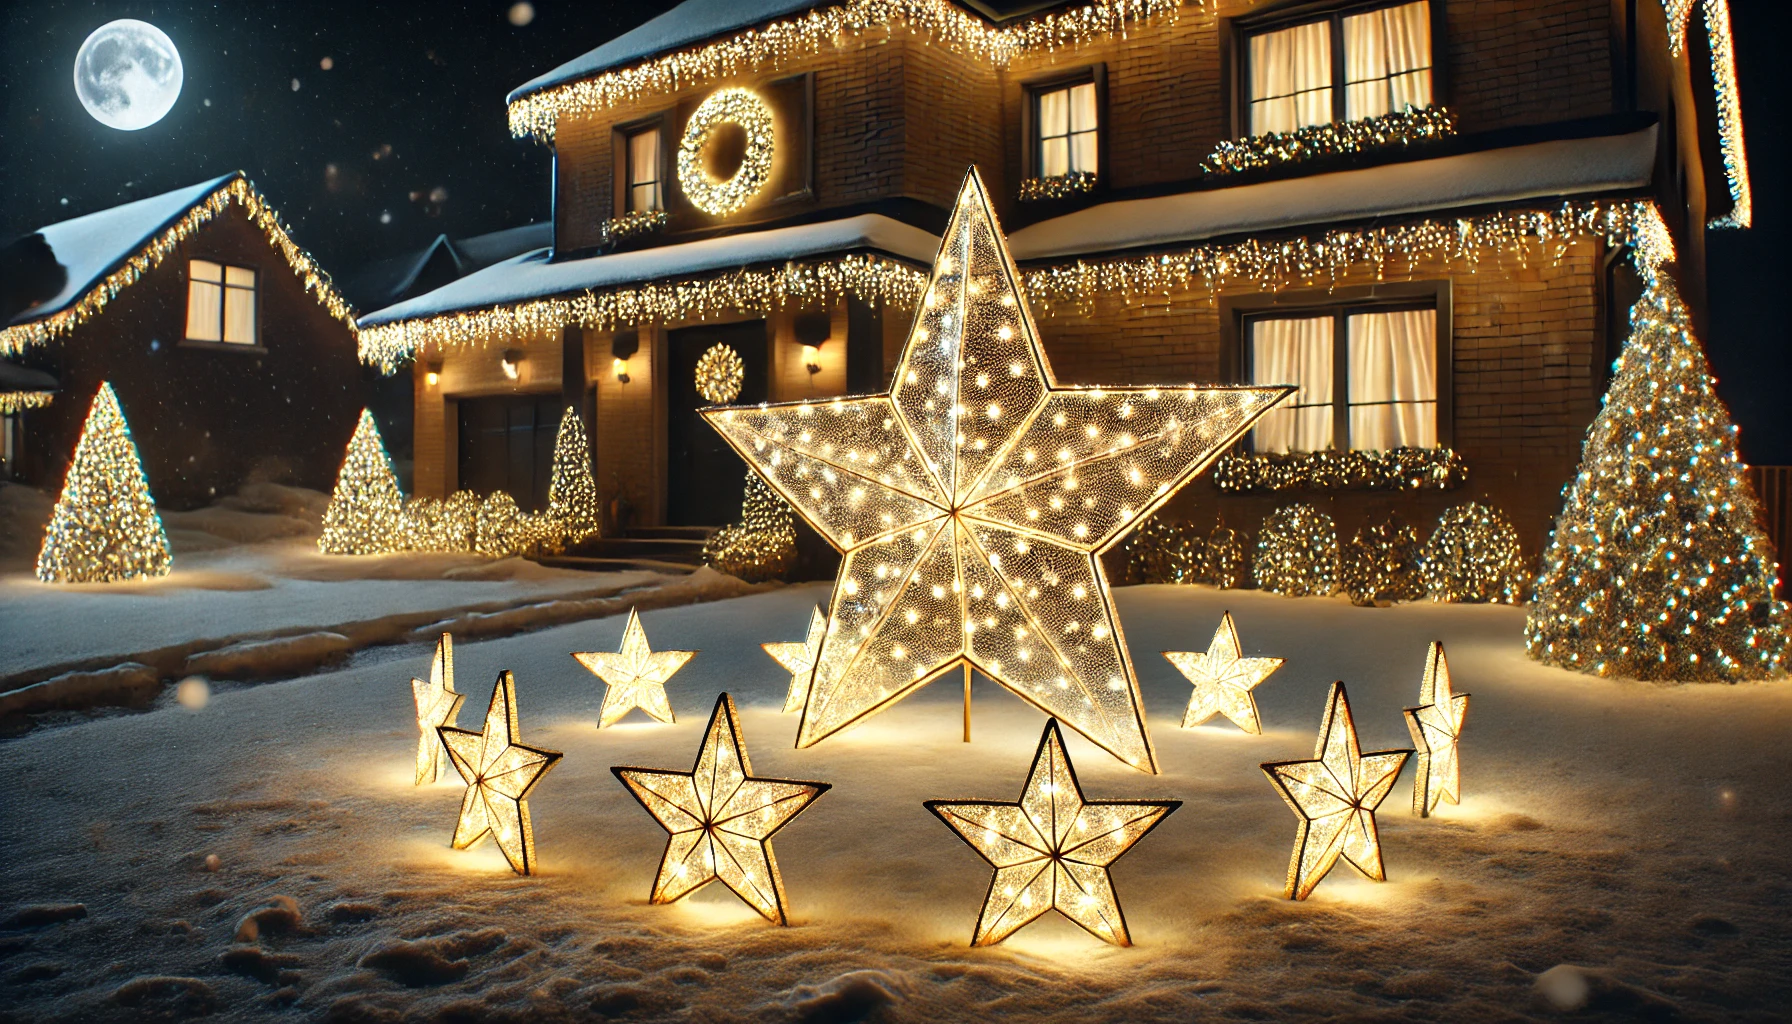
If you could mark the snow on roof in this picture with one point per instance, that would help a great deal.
(1562, 167)
(534, 275)
(14, 377)
(481, 251)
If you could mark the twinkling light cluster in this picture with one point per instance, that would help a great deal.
(1223, 680)
(1297, 552)
(762, 546)
(1335, 796)
(1397, 469)
(438, 704)
(1056, 187)
(1436, 727)
(365, 505)
(1225, 560)
(719, 374)
(631, 225)
(635, 675)
(18, 401)
(1165, 551)
(798, 658)
(500, 772)
(573, 505)
(1414, 125)
(742, 108)
(1381, 564)
(721, 819)
(973, 500)
(1052, 848)
(872, 279)
(772, 45)
(1729, 100)
(238, 190)
(1473, 555)
(1658, 567)
(105, 526)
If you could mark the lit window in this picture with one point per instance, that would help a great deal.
(1383, 394)
(644, 171)
(1067, 123)
(220, 303)
(1296, 79)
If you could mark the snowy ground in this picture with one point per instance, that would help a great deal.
(1638, 832)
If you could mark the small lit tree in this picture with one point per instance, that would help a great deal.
(572, 490)
(105, 527)
(364, 513)
(762, 546)
(1658, 568)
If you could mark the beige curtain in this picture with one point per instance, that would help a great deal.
(1067, 123)
(1393, 380)
(205, 300)
(239, 306)
(1297, 352)
(1082, 128)
(644, 170)
(1387, 60)
(1291, 78)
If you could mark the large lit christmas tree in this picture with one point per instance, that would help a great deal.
(363, 517)
(105, 527)
(572, 491)
(1658, 568)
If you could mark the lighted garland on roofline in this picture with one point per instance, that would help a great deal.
(239, 190)
(940, 21)
(1397, 469)
(1056, 187)
(1399, 128)
(18, 401)
(1729, 101)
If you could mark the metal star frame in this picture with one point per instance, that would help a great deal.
(1223, 681)
(500, 773)
(973, 500)
(1052, 848)
(1335, 796)
(635, 676)
(799, 659)
(1436, 727)
(721, 818)
(437, 705)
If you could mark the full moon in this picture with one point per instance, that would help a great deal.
(128, 74)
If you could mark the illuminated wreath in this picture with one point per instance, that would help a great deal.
(737, 106)
(719, 374)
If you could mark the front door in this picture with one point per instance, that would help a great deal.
(705, 478)
(507, 444)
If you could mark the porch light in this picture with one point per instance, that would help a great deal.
(620, 368)
(812, 358)
(511, 363)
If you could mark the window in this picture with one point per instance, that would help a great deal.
(1066, 126)
(1345, 66)
(1378, 390)
(220, 303)
(644, 172)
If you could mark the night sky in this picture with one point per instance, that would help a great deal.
(402, 137)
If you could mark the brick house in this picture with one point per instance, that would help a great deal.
(231, 353)
(1433, 248)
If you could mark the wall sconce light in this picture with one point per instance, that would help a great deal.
(812, 358)
(620, 366)
(812, 331)
(432, 372)
(623, 345)
(511, 363)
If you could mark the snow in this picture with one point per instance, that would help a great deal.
(536, 275)
(1621, 846)
(1561, 167)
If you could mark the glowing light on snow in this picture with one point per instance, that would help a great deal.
(634, 676)
(1223, 681)
(499, 773)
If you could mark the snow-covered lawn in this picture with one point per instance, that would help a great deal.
(1640, 832)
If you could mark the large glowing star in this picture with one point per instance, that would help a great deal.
(437, 705)
(1335, 796)
(499, 773)
(721, 818)
(1051, 849)
(1223, 681)
(1436, 726)
(635, 676)
(973, 500)
(798, 659)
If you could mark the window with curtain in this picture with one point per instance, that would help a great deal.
(1345, 66)
(1066, 121)
(644, 171)
(1375, 391)
(220, 303)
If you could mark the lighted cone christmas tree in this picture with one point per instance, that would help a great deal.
(105, 527)
(1658, 568)
(572, 492)
(364, 509)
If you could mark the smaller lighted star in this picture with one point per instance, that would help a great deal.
(1223, 681)
(799, 659)
(1335, 796)
(499, 773)
(721, 818)
(437, 705)
(1051, 849)
(1436, 726)
(635, 676)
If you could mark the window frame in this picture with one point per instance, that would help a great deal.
(1031, 89)
(1237, 312)
(225, 264)
(620, 187)
(1242, 29)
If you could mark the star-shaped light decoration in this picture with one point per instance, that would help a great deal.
(499, 773)
(1223, 681)
(1436, 726)
(973, 500)
(437, 705)
(1335, 796)
(635, 676)
(799, 659)
(1051, 849)
(721, 818)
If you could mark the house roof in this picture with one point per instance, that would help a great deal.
(14, 377)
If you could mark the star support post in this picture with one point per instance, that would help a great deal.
(635, 676)
(798, 658)
(1436, 727)
(500, 773)
(437, 705)
(1223, 681)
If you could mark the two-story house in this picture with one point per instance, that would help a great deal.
(1418, 211)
